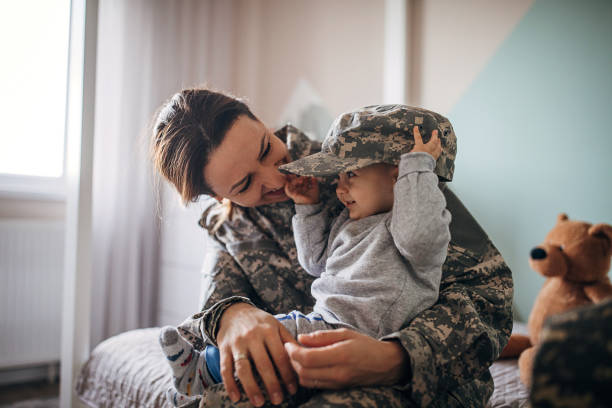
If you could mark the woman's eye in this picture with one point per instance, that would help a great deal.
(246, 186)
(265, 153)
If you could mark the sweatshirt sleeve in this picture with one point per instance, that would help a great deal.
(419, 221)
(311, 225)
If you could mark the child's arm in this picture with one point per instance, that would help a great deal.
(310, 223)
(420, 221)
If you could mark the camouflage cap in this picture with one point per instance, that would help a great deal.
(377, 134)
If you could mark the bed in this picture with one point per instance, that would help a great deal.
(129, 370)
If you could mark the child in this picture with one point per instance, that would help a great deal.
(378, 263)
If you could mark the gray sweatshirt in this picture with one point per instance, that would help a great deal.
(377, 273)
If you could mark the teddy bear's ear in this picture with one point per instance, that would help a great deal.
(604, 231)
(562, 217)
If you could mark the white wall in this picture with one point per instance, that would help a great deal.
(337, 46)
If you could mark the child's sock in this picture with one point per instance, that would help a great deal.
(188, 365)
(179, 400)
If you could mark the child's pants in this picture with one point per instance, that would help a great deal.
(298, 323)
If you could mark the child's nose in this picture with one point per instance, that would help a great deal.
(341, 187)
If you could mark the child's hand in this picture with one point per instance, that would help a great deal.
(433, 147)
(302, 190)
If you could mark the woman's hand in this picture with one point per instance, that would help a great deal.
(344, 358)
(302, 190)
(433, 147)
(250, 339)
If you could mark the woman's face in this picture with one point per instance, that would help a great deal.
(244, 168)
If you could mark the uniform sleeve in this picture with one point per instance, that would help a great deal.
(311, 231)
(222, 277)
(453, 343)
(222, 283)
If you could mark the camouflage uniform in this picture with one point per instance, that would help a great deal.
(450, 345)
(573, 366)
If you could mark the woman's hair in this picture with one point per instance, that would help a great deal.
(187, 129)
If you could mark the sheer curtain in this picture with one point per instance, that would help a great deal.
(147, 50)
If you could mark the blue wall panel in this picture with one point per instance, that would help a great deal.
(535, 132)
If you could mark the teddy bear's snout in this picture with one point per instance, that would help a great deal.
(538, 253)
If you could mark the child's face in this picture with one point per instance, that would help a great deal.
(367, 191)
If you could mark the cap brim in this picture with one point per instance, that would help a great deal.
(324, 164)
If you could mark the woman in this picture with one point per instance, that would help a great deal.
(208, 143)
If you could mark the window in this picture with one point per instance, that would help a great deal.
(34, 38)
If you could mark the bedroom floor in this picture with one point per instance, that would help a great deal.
(37, 394)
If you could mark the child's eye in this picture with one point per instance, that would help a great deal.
(350, 174)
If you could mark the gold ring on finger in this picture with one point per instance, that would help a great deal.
(240, 356)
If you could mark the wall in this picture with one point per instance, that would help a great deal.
(31, 258)
(336, 46)
(531, 123)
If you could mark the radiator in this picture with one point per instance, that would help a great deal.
(31, 270)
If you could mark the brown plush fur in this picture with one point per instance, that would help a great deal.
(575, 259)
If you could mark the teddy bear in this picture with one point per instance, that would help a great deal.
(575, 259)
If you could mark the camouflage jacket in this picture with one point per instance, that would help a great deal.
(451, 345)
(573, 366)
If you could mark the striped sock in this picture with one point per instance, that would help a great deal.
(188, 365)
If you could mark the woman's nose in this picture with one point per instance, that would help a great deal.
(272, 178)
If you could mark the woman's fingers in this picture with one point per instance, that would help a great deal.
(325, 337)
(322, 348)
(281, 359)
(323, 356)
(324, 378)
(322, 367)
(244, 373)
(227, 374)
(266, 372)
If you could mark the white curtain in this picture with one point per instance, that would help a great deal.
(147, 50)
